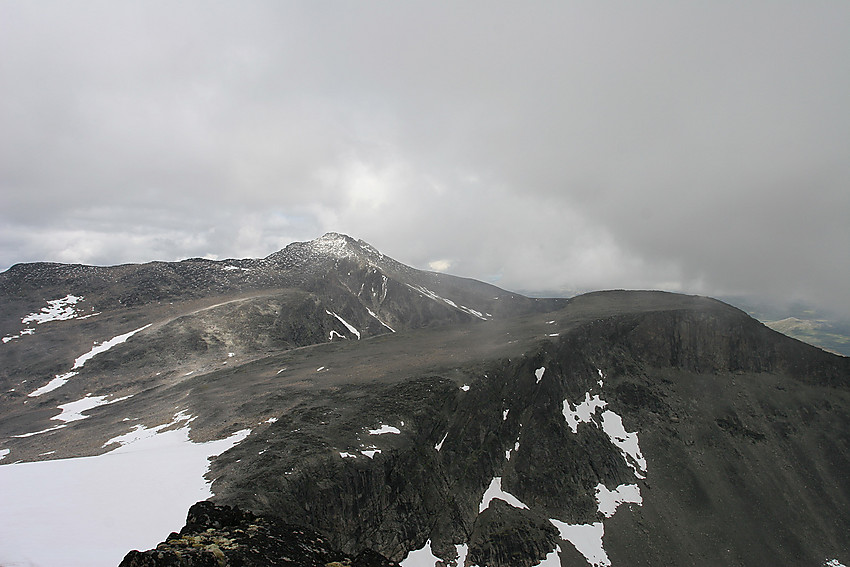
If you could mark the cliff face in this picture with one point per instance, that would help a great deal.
(733, 425)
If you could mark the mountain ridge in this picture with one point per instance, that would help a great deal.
(415, 413)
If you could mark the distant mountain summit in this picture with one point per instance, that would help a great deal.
(433, 418)
(332, 246)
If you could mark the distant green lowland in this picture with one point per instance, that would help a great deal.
(827, 335)
(802, 322)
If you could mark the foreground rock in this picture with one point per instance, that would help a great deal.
(217, 536)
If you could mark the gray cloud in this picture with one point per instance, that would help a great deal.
(556, 146)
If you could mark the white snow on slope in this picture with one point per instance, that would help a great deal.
(583, 411)
(553, 559)
(141, 431)
(587, 539)
(57, 382)
(833, 563)
(370, 452)
(539, 373)
(384, 429)
(372, 313)
(609, 500)
(3, 453)
(93, 510)
(344, 322)
(439, 445)
(495, 491)
(431, 295)
(509, 453)
(105, 346)
(54, 428)
(73, 411)
(462, 551)
(421, 557)
(57, 310)
(60, 379)
(27, 331)
(60, 309)
(612, 425)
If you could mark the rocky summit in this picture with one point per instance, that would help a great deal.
(396, 415)
(221, 535)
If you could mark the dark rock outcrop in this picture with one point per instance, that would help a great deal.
(219, 536)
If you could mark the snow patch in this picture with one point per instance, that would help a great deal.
(54, 428)
(609, 500)
(370, 452)
(539, 373)
(439, 445)
(384, 429)
(465, 387)
(431, 295)
(833, 563)
(346, 455)
(495, 491)
(105, 346)
(553, 559)
(3, 453)
(73, 411)
(423, 557)
(510, 452)
(505, 414)
(612, 425)
(80, 505)
(57, 310)
(583, 411)
(587, 539)
(372, 313)
(462, 551)
(140, 432)
(346, 323)
(57, 382)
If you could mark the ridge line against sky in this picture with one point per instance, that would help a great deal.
(699, 148)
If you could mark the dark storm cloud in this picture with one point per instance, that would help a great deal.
(551, 146)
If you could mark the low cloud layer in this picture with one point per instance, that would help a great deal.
(552, 147)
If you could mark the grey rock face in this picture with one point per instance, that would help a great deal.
(221, 535)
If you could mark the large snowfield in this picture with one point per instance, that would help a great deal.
(90, 511)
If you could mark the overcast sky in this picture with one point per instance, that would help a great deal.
(693, 146)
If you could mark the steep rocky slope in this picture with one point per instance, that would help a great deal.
(737, 426)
